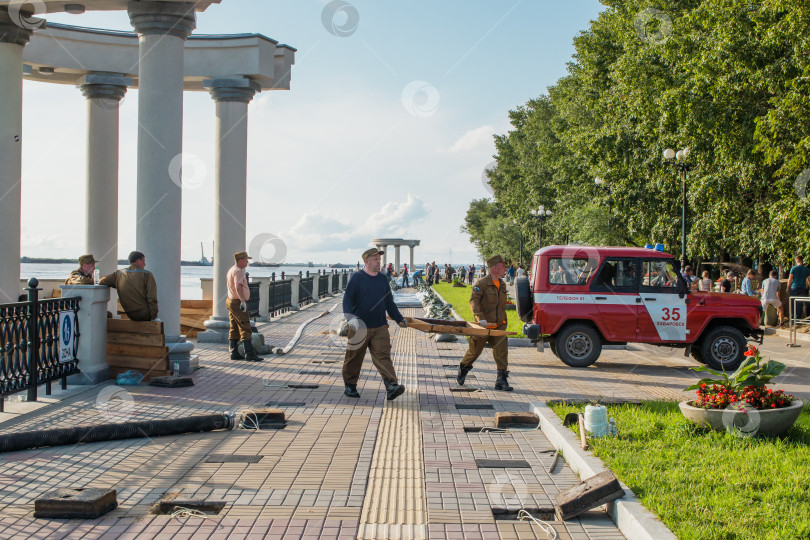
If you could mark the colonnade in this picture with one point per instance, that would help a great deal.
(383, 243)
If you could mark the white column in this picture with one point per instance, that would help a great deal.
(410, 258)
(396, 258)
(230, 213)
(12, 40)
(103, 92)
(384, 249)
(162, 29)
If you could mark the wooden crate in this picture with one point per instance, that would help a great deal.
(193, 314)
(137, 345)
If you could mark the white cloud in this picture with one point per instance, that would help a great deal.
(315, 232)
(474, 140)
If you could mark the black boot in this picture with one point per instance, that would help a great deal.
(250, 354)
(462, 373)
(392, 390)
(501, 383)
(234, 348)
(350, 390)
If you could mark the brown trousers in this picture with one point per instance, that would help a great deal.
(378, 341)
(240, 321)
(500, 349)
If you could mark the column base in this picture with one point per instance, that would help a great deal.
(216, 331)
(95, 377)
(185, 366)
(179, 353)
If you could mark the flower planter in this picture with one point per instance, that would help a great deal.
(754, 422)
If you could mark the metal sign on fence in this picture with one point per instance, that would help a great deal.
(67, 335)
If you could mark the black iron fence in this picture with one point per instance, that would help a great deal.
(335, 283)
(279, 295)
(253, 301)
(323, 285)
(305, 289)
(344, 279)
(29, 343)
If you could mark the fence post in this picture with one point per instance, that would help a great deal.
(33, 338)
(296, 283)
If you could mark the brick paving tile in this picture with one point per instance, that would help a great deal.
(341, 467)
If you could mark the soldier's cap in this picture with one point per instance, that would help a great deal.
(495, 259)
(87, 259)
(241, 255)
(371, 251)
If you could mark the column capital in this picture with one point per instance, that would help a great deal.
(162, 18)
(110, 86)
(17, 26)
(234, 89)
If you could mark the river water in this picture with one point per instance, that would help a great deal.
(189, 275)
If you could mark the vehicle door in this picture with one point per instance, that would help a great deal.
(663, 316)
(615, 293)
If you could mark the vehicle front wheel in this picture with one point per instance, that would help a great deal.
(723, 348)
(578, 345)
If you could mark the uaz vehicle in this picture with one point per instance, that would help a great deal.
(580, 298)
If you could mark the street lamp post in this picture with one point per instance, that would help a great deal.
(602, 184)
(681, 164)
(541, 214)
(520, 227)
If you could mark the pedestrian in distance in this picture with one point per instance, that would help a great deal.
(705, 282)
(511, 274)
(365, 302)
(770, 296)
(727, 285)
(488, 304)
(83, 275)
(137, 290)
(238, 316)
(747, 287)
(798, 285)
(688, 276)
(405, 282)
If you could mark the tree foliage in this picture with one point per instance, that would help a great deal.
(729, 79)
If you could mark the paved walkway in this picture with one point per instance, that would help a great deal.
(342, 468)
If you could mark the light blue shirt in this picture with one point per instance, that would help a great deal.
(746, 287)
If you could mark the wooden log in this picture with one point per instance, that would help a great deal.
(126, 338)
(137, 362)
(582, 438)
(134, 327)
(595, 491)
(468, 330)
(137, 350)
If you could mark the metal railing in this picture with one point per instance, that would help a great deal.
(344, 279)
(305, 285)
(323, 285)
(335, 282)
(279, 297)
(253, 301)
(793, 320)
(29, 344)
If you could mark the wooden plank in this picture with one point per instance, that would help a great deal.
(137, 350)
(469, 330)
(115, 371)
(193, 322)
(134, 327)
(209, 304)
(192, 312)
(137, 362)
(126, 338)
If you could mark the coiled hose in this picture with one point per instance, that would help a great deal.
(113, 432)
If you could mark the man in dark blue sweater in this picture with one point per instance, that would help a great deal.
(365, 302)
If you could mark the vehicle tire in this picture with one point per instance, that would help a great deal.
(578, 345)
(723, 348)
(697, 355)
(552, 344)
(523, 301)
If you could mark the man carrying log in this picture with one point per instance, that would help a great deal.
(365, 302)
(488, 303)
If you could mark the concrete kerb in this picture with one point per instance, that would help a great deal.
(800, 336)
(633, 520)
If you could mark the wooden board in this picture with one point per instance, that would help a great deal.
(115, 371)
(193, 322)
(195, 304)
(126, 338)
(134, 327)
(137, 362)
(469, 329)
(137, 350)
(198, 312)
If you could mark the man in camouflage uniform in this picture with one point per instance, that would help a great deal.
(83, 275)
(488, 304)
(137, 290)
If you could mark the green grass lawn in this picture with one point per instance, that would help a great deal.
(459, 298)
(705, 484)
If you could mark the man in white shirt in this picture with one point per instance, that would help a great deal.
(770, 296)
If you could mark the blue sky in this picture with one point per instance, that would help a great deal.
(385, 132)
